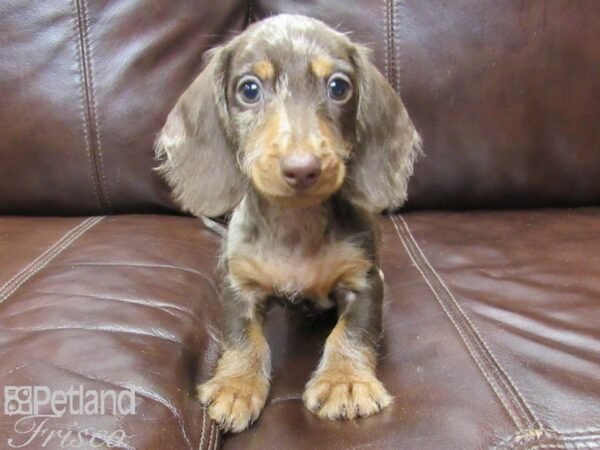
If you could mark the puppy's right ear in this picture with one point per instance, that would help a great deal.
(197, 157)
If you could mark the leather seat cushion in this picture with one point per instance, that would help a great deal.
(111, 303)
(491, 336)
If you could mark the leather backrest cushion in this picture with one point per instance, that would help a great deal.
(85, 86)
(505, 95)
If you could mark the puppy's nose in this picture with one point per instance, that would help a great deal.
(300, 170)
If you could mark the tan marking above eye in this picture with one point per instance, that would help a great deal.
(264, 70)
(321, 67)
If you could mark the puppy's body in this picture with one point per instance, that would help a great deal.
(299, 253)
(306, 143)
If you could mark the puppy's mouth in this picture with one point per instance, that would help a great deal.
(298, 179)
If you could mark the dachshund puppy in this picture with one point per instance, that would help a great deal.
(294, 129)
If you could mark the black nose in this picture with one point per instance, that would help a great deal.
(300, 170)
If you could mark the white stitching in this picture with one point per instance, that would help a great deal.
(217, 434)
(386, 39)
(210, 435)
(398, 66)
(564, 446)
(250, 17)
(530, 436)
(458, 328)
(476, 330)
(393, 48)
(203, 426)
(57, 248)
(26, 268)
(591, 430)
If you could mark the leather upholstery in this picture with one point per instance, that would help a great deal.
(86, 86)
(503, 95)
(111, 303)
(491, 318)
(500, 92)
(487, 343)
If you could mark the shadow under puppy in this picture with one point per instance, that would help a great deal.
(292, 127)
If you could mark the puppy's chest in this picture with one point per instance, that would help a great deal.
(296, 272)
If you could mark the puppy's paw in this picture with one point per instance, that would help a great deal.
(234, 402)
(341, 395)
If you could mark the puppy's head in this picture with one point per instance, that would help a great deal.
(296, 109)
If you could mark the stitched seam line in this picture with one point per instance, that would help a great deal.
(523, 439)
(588, 445)
(217, 434)
(386, 39)
(203, 428)
(392, 52)
(210, 435)
(51, 253)
(32, 263)
(590, 430)
(504, 377)
(94, 104)
(470, 348)
(501, 375)
(91, 128)
(250, 13)
(467, 334)
(396, 48)
(82, 106)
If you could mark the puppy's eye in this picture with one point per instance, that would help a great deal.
(339, 88)
(250, 90)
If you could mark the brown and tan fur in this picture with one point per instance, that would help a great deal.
(315, 245)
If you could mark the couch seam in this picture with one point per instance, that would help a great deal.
(558, 445)
(393, 48)
(525, 438)
(89, 107)
(203, 428)
(94, 103)
(210, 435)
(217, 435)
(508, 381)
(48, 255)
(386, 39)
(35, 260)
(250, 13)
(82, 105)
(519, 412)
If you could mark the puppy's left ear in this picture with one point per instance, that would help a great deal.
(387, 141)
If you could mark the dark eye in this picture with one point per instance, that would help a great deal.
(339, 88)
(250, 90)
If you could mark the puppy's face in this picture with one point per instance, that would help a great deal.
(298, 110)
(292, 101)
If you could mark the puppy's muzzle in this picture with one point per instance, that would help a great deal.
(300, 170)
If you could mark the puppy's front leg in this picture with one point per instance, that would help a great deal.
(236, 394)
(344, 386)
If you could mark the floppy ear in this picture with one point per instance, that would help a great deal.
(197, 157)
(387, 142)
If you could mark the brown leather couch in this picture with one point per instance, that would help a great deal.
(492, 313)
